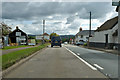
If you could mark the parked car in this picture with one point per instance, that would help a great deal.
(65, 42)
(80, 43)
(56, 41)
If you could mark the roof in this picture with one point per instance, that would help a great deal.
(17, 29)
(46, 34)
(85, 32)
(108, 24)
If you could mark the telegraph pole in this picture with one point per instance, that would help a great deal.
(90, 26)
(43, 30)
(89, 31)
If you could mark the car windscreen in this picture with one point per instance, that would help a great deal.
(55, 38)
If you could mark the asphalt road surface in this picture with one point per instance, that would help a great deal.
(105, 62)
(55, 62)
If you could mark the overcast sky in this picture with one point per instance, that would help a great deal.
(63, 18)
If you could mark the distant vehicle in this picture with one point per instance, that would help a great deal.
(56, 41)
(31, 42)
(65, 42)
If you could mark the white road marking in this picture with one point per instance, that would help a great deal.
(98, 66)
(78, 53)
(93, 68)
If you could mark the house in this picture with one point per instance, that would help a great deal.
(40, 37)
(18, 37)
(46, 36)
(83, 35)
(106, 36)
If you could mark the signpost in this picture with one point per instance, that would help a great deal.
(117, 3)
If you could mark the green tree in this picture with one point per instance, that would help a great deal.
(53, 34)
(5, 29)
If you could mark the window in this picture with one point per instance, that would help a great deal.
(22, 38)
(18, 33)
(81, 36)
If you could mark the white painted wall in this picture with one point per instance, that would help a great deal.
(39, 37)
(100, 36)
(78, 38)
(46, 37)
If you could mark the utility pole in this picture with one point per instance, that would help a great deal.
(43, 30)
(90, 26)
(89, 31)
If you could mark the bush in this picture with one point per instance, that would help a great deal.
(85, 44)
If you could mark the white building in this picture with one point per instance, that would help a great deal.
(83, 35)
(40, 37)
(106, 36)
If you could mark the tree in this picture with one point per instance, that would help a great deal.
(5, 29)
(53, 34)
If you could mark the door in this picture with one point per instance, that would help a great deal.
(106, 40)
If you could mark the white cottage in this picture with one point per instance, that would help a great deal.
(106, 36)
(83, 35)
(40, 37)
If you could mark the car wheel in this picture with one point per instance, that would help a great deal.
(51, 46)
(60, 46)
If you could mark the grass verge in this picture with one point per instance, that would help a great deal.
(12, 47)
(13, 57)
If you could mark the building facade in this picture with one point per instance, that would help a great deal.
(83, 35)
(106, 36)
(40, 37)
(18, 36)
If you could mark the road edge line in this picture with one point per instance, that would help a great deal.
(89, 65)
(98, 66)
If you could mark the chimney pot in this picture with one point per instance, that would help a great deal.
(16, 27)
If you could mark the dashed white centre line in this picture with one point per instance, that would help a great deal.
(98, 66)
(93, 68)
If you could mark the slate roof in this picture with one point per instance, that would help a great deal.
(85, 32)
(46, 34)
(108, 24)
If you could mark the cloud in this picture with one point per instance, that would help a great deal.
(61, 17)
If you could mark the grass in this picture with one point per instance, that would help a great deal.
(13, 57)
(12, 47)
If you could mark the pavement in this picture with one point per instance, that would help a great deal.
(101, 49)
(105, 62)
(56, 62)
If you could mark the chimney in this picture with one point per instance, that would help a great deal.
(16, 27)
(80, 29)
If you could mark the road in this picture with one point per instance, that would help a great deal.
(54, 62)
(105, 62)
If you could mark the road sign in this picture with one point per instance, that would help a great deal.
(116, 2)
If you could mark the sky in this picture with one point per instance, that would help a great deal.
(63, 18)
